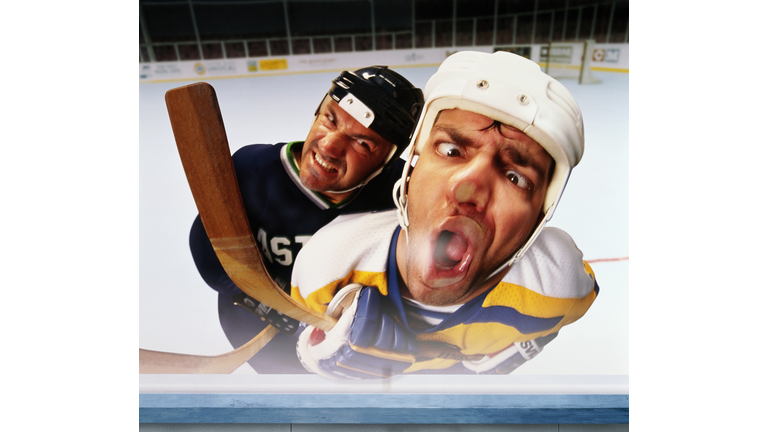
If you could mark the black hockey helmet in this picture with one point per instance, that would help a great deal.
(382, 100)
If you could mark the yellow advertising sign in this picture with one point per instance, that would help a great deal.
(276, 64)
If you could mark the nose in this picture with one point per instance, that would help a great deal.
(471, 184)
(332, 145)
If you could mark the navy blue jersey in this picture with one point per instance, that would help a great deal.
(283, 214)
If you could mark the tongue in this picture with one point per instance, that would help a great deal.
(450, 249)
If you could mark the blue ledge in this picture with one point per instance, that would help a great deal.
(385, 408)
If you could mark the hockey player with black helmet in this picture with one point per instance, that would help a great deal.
(348, 163)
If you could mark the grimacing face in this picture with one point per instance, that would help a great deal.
(474, 197)
(339, 152)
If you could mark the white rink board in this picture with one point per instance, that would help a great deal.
(610, 57)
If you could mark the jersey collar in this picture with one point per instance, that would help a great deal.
(292, 169)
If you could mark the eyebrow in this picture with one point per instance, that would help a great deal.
(455, 135)
(512, 148)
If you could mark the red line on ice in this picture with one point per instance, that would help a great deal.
(607, 259)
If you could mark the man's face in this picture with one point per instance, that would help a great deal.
(475, 196)
(339, 152)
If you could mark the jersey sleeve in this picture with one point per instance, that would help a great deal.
(207, 262)
(351, 249)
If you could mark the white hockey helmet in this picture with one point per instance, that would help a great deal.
(513, 90)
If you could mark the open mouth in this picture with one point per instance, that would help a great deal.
(450, 250)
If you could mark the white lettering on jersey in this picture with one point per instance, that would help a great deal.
(280, 247)
(287, 256)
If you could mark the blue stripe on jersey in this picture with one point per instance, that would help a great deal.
(393, 282)
(421, 320)
(510, 316)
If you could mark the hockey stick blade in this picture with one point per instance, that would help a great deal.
(157, 362)
(204, 150)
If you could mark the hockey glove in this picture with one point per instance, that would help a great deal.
(366, 342)
(509, 359)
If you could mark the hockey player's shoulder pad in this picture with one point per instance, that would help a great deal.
(351, 249)
(554, 267)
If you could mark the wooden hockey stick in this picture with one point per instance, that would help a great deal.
(158, 362)
(204, 151)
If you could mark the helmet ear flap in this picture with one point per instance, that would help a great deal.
(317, 110)
(416, 110)
(393, 102)
(401, 187)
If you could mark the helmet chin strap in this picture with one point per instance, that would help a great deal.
(346, 190)
(401, 186)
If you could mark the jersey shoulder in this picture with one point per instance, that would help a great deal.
(553, 267)
(254, 156)
(355, 243)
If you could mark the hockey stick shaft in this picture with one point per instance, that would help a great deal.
(157, 362)
(204, 150)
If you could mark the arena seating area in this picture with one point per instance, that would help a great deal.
(177, 30)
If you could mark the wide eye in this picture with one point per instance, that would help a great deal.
(518, 179)
(449, 149)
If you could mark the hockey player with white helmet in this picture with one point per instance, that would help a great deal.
(465, 260)
(349, 162)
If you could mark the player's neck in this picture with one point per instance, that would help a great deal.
(337, 198)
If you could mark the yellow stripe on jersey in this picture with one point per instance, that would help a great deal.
(319, 299)
(527, 302)
(486, 338)
(483, 337)
(588, 269)
(437, 363)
